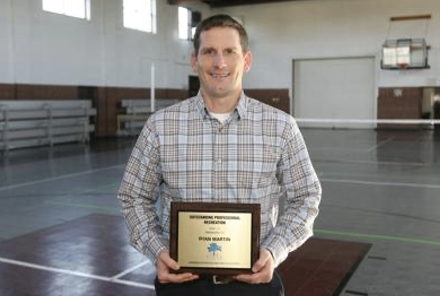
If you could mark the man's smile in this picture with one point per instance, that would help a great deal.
(219, 75)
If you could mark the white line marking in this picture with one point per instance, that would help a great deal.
(54, 270)
(134, 284)
(382, 183)
(380, 144)
(75, 273)
(129, 270)
(60, 177)
(396, 121)
(372, 162)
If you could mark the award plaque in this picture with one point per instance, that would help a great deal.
(215, 238)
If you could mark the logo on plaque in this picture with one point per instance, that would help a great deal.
(214, 248)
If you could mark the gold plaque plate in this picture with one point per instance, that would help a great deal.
(215, 238)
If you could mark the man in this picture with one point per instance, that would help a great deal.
(220, 146)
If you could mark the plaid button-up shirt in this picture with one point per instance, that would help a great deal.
(257, 156)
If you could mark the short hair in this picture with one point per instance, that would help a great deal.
(222, 21)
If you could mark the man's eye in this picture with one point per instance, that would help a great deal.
(208, 52)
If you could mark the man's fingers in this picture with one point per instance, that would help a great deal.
(164, 264)
(261, 262)
(262, 270)
(168, 261)
(177, 278)
(259, 265)
(256, 278)
(247, 278)
(180, 278)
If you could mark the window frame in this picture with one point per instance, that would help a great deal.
(152, 18)
(190, 30)
(64, 11)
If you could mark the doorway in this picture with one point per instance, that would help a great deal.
(194, 85)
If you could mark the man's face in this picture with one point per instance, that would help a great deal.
(220, 62)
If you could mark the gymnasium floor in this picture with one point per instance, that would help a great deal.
(379, 188)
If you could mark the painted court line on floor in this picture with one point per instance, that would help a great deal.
(95, 190)
(125, 272)
(394, 163)
(133, 284)
(379, 236)
(380, 144)
(83, 205)
(60, 177)
(416, 185)
(75, 273)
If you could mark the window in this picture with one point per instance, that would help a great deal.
(140, 15)
(184, 17)
(186, 29)
(74, 8)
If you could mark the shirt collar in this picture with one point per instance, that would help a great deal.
(241, 105)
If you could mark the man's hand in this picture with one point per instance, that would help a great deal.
(164, 264)
(262, 270)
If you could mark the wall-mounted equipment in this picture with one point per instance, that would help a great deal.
(404, 54)
(405, 51)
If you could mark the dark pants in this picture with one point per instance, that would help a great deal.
(206, 287)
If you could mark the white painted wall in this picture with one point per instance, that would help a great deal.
(43, 48)
(6, 60)
(39, 47)
(284, 31)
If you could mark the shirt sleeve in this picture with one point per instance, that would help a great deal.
(302, 192)
(139, 191)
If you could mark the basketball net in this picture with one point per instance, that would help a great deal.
(403, 66)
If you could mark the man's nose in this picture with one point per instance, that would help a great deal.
(219, 61)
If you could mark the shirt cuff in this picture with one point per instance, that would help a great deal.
(277, 248)
(153, 248)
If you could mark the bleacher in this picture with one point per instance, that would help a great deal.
(28, 123)
(135, 113)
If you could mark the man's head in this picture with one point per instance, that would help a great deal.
(221, 57)
(221, 21)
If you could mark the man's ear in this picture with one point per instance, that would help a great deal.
(247, 61)
(194, 65)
